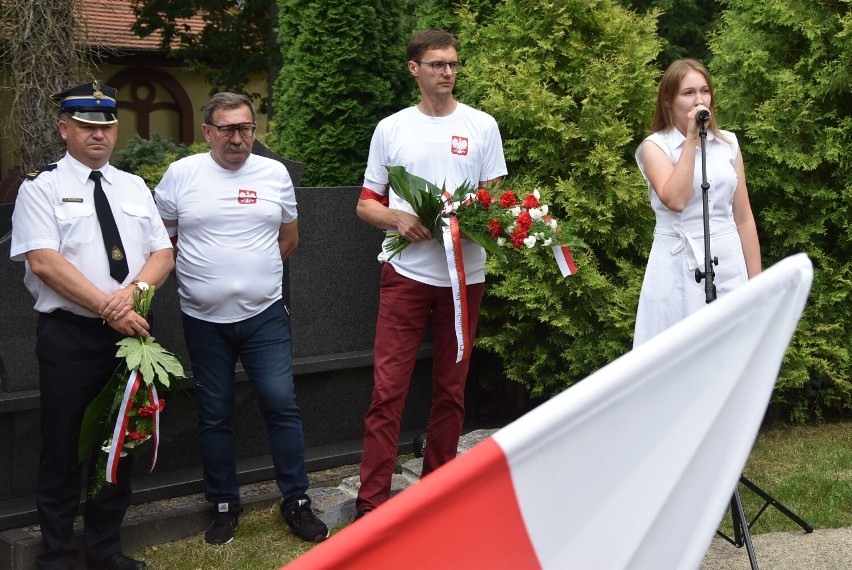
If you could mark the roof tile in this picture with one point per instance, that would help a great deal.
(108, 24)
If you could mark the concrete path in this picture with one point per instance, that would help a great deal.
(823, 549)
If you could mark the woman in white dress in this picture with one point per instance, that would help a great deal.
(670, 161)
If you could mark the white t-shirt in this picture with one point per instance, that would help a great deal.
(56, 210)
(447, 151)
(228, 265)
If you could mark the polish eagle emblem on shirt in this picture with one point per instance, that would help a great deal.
(459, 145)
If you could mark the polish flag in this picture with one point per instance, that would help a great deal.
(631, 468)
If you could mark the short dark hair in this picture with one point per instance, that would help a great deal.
(227, 100)
(425, 40)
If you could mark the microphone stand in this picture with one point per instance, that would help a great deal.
(708, 274)
(742, 534)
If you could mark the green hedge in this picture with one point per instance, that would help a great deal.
(784, 82)
(149, 158)
(571, 87)
(343, 70)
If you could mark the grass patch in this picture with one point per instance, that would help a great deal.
(262, 541)
(806, 468)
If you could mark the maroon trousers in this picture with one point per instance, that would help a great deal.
(405, 307)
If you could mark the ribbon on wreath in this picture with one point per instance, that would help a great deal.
(157, 405)
(563, 256)
(564, 260)
(119, 432)
(121, 421)
(455, 265)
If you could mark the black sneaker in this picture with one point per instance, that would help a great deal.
(221, 530)
(304, 522)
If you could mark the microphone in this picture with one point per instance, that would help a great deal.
(703, 115)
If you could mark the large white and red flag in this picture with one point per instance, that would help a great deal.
(631, 468)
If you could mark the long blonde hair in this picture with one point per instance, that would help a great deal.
(666, 92)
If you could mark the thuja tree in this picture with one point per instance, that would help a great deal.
(784, 81)
(684, 26)
(343, 70)
(572, 88)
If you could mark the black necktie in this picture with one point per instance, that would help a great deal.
(112, 239)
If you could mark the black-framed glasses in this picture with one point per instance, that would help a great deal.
(440, 66)
(246, 130)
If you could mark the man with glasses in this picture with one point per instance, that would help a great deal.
(232, 217)
(447, 143)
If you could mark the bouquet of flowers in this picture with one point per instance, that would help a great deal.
(497, 224)
(126, 413)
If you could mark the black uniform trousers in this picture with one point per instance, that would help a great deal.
(76, 358)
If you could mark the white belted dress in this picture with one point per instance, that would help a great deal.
(669, 290)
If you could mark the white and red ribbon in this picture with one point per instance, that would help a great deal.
(120, 429)
(455, 264)
(154, 399)
(119, 432)
(564, 260)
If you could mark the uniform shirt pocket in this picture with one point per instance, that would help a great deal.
(77, 222)
(137, 220)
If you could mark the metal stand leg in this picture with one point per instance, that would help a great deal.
(742, 528)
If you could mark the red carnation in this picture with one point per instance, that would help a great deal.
(518, 237)
(530, 202)
(147, 411)
(151, 410)
(494, 227)
(508, 199)
(137, 435)
(525, 221)
(484, 198)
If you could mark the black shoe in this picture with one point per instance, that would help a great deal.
(221, 530)
(419, 445)
(119, 561)
(361, 514)
(301, 518)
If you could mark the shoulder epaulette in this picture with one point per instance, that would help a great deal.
(33, 175)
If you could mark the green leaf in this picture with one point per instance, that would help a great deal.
(98, 413)
(423, 196)
(155, 363)
(487, 243)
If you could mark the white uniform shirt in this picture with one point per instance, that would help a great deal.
(447, 151)
(56, 210)
(228, 264)
(669, 290)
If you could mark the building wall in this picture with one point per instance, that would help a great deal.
(138, 95)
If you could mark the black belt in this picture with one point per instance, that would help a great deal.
(70, 317)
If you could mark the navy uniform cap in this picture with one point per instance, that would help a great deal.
(89, 103)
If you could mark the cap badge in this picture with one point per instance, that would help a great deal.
(96, 88)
